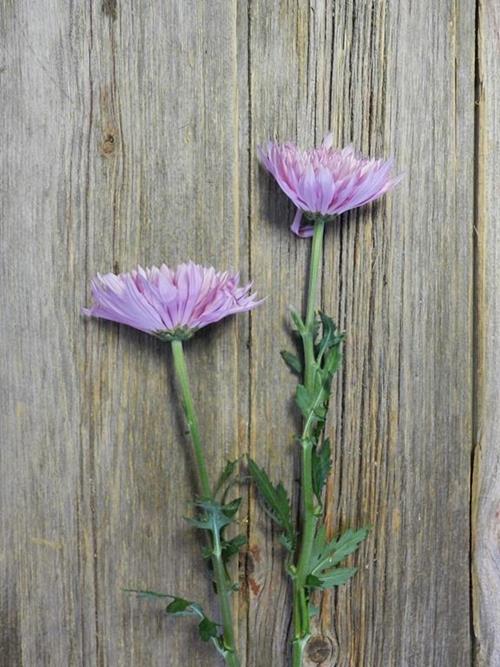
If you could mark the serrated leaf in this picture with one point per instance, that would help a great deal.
(346, 544)
(332, 362)
(336, 577)
(331, 336)
(304, 400)
(146, 594)
(326, 555)
(231, 508)
(292, 361)
(214, 516)
(297, 320)
(312, 405)
(207, 552)
(232, 547)
(182, 607)
(285, 540)
(276, 500)
(312, 581)
(226, 475)
(321, 467)
(208, 629)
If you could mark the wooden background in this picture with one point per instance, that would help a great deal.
(128, 134)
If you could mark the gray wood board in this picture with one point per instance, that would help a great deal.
(129, 134)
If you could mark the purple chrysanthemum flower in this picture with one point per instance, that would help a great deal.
(171, 304)
(325, 181)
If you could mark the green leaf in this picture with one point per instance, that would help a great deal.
(232, 547)
(231, 508)
(226, 475)
(208, 629)
(297, 321)
(287, 541)
(346, 544)
(323, 572)
(292, 361)
(304, 400)
(337, 577)
(321, 467)
(214, 516)
(146, 594)
(276, 502)
(182, 607)
(331, 336)
(332, 363)
(207, 552)
(312, 581)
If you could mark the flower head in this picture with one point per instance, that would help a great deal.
(325, 181)
(170, 303)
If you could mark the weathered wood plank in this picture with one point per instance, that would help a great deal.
(129, 135)
(394, 78)
(123, 134)
(165, 85)
(48, 595)
(486, 506)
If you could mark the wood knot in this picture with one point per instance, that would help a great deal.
(319, 649)
(108, 144)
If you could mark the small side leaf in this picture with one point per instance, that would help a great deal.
(337, 577)
(208, 629)
(321, 467)
(287, 542)
(325, 556)
(232, 547)
(347, 543)
(182, 607)
(230, 509)
(276, 502)
(226, 475)
(304, 400)
(312, 581)
(146, 594)
(212, 515)
(292, 361)
(297, 321)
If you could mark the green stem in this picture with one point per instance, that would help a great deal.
(309, 518)
(220, 576)
(191, 418)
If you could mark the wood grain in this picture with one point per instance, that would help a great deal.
(124, 128)
(486, 506)
(129, 132)
(398, 278)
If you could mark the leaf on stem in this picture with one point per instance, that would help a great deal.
(325, 556)
(321, 467)
(146, 594)
(337, 577)
(207, 628)
(226, 475)
(298, 323)
(276, 503)
(213, 515)
(292, 361)
(231, 547)
(312, 404)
